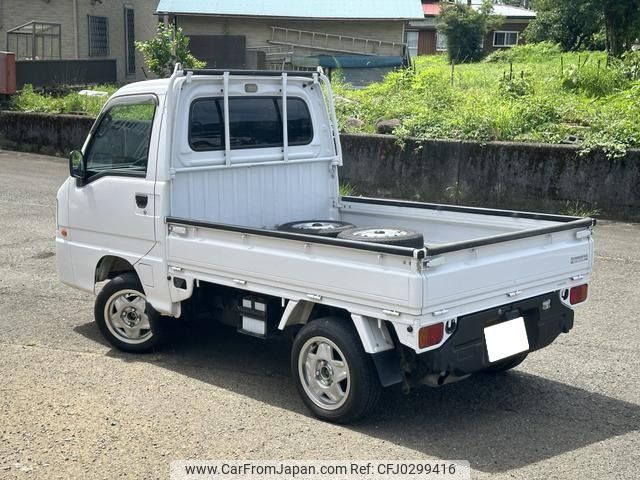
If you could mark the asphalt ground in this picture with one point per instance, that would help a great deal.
(72, 407)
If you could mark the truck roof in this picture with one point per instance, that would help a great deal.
(159, 87)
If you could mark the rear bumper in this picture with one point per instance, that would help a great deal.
(465, 352)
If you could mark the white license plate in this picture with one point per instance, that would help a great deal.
(506, 339)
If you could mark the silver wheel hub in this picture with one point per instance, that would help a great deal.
(126, 317)
(316, 225)
(381, 233)
(324, 373)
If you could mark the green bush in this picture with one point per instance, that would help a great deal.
(465, 28)
(631, 64)
(517, 86)
(167, 48)
(594, 80)
(28, 100)
(532, 52)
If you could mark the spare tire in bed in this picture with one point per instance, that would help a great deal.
(322, 228)
(399, 237)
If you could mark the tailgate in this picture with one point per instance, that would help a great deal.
(462, 281)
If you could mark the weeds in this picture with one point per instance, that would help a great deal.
(347, 190)
(576, 208)
(530, 93)
(28, 100)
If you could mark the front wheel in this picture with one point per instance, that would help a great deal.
(124, 317)
(335, 377)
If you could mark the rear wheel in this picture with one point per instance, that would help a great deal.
(335, 377)
(124, 317)
(507, 363)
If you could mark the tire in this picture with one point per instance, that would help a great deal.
(124, 317)
(507, 363)
(327, 348)
(321, 228)
(400, 237)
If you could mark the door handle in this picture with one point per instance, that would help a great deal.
(141, 200)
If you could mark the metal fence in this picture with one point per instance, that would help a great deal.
(48, 73)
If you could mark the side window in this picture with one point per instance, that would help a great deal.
(121, 140)
(254, 122)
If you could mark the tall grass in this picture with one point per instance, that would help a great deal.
(531, 93)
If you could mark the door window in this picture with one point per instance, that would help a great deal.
(120, 143)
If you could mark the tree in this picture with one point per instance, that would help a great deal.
(580, 24)
(575, 25)
(167, 48)
(622, 24)
(465, 29)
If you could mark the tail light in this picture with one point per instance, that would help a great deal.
(578, 294)
(430, 335)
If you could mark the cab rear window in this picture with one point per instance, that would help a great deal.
(254, 122)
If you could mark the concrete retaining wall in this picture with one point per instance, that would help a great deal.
(43, 133)
(519, 176)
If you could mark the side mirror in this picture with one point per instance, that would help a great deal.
(76, 165)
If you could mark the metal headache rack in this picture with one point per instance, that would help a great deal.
(318, 77)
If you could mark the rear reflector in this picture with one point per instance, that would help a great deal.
(431, 335)
(578, 294)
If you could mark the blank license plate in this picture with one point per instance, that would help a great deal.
(506, 339)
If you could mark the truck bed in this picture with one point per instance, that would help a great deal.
(473, 259)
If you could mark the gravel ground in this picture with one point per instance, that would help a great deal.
(72, 407)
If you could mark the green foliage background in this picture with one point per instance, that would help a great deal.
(530, 93)
(158, 52)
(465, 28)
(548, 97)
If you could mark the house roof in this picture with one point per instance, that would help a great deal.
(433, 9)
(324, 9)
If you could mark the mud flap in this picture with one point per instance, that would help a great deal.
(388, 366)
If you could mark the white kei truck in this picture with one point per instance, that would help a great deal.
(217, 191)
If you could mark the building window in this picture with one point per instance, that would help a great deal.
(35, 41)
(130, 40)
(505, 39)
(98, 36)
(441, 42)
(412, 43)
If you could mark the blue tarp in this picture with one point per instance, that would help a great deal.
(348, 61)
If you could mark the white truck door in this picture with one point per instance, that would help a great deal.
(111, 212)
